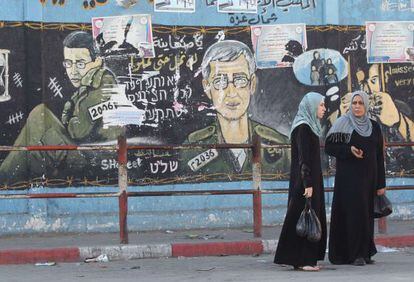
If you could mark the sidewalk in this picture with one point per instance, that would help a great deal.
(204, 242)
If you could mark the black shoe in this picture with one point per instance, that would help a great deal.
(369, 261)
(359, 262)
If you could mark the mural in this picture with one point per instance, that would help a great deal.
(391, 100)
(201, 86)
(229, 81)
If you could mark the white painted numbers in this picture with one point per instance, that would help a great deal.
(202, 159)
(96, 112)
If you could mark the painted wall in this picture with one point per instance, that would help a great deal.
(177, 110)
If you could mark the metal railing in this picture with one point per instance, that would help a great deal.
(123, 195)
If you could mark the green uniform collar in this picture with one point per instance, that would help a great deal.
(212, 133)
(93, 77)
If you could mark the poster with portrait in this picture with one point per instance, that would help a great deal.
(278, 45)
(124, 35)
(390, 42)
(175, 6)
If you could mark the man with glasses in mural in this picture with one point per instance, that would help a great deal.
(76, 125)
(229, 81)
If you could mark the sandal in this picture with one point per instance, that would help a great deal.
(307, 268)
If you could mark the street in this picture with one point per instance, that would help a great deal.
(391, 265)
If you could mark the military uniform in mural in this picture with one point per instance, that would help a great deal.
(75, 126)
(234, 161)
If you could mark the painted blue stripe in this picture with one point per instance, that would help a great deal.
(331, 12)
(12, 10)
(152, 213)
(33, 10)
(73, 12)
(356, 12)
(350, 12)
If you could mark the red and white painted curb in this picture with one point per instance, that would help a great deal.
(128, 252)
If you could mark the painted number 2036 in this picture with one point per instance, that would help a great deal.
(202, 159)
(96, 112)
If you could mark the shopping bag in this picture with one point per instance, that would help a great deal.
(314, 233)
(308, 224)
(301, 225)
(382, 206)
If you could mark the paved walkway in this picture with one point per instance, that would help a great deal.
(167, 243)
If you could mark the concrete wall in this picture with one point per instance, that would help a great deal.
(154, 213)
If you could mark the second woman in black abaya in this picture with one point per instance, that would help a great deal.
(357, 143)
(305, 181)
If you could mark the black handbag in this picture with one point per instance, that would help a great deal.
(308, 224)
(382, 206)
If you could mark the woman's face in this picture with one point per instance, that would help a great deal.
(321, 110)
(358, 108)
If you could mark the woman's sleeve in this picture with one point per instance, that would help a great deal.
(338, 150)
(380, 161)
(304, 151)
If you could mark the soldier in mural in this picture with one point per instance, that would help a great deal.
(76, 125)
(229, 81)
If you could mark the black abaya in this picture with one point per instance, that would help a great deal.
(356, 181)
(305, 171)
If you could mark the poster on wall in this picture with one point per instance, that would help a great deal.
(278, 45)
(124, 35)
(398, 5)
(4, 75)
(390, 42)
(175, 6)
(237, 6)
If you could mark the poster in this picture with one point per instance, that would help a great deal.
(278, 45)
(398, 5)
(237, 6)
(390, 42)
(124, 35)
(177, 6)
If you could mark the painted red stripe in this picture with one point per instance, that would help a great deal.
(52, 195)
(39, 255)
(217, 249)
(396, 241)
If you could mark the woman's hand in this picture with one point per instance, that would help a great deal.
(308, 192)
(358, 153)
(381, 191)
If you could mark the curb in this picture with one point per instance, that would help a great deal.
(396, 241)
(217, 249)
(21, 256)
(128, 252)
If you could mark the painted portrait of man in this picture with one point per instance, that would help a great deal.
(229, 81)
(75, 125)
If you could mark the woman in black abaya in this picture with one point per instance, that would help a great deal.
(305, 181)
(357, 143)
